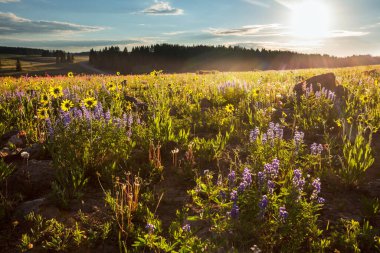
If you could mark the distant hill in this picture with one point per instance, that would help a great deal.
(178, 58)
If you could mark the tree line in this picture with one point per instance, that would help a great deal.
(177, 58)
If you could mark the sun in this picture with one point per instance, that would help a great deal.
(310, 19)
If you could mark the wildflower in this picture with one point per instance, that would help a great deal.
(118, 73)
(260, 177)
(25, 155)
(231, 177)
(298, 180)
(316, 149)
(234, 196)
(150, 228)
(271, 186)
(229, 108)
(317, 185)
(186, 228)
(320, 200)
(107, 116)
(90, 102)
(44, 99)
(242, 187)
(298, 139)
(56, 92)
(283, 213)
(234, 211)
(255, 249)
(263, 202)
(247, 176)
(43, 113)
(66, 105)
(49, 128)
(70, 74)
(264, 139)
(111, 86)
(253, 134)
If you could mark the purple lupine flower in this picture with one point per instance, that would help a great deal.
(77, 113)
(98, 111)
(231, 177)
(107, 116)
(253, 134)
(186, 228)
(263, 202)
(275, 167)
(247, 177)
(234, 211)
(264, 138)
(234, 196)
(129, 133)
(320, 200)
(150, 227)
(279, 132)
(271, 125)
(283, 214)
(86, 113)
(242, 187)
(271, 186)
(49, 128)
(130, 120)
(138, 121)
(298, 180)
(260, 177)
(66, 119)
(298, 139)
(317, 185)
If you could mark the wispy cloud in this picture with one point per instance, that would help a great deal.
(12, 24)
(9, 1)
(249, 30)
(258, 3)
(162, 8)
(344, 33)
(175, 33)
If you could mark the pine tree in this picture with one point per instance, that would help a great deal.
(18, 65)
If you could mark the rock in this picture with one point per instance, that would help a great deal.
(33, 180)
(36, 151)
(327, 81)
(28, 207)
(138, 103)
(10, 155)
(14, 138)
(5, 137)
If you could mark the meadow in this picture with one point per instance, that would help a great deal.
(220, 162)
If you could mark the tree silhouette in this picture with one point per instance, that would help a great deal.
(177, 58)
(18, 65)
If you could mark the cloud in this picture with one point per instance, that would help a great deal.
(249, 30)
(9, 1)
(12, 24)
(257, 3)
(344, 33)
(175, 33)
(162, 8)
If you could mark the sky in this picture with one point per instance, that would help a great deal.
(335, 27)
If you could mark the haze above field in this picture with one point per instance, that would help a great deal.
(336, 27)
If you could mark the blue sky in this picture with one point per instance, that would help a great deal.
(337, 27)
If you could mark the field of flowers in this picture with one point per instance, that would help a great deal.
(222, 162)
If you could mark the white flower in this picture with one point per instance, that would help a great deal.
(25, 155)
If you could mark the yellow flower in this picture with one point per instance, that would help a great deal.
(43, 113)
(229, 108)
(118, 73)
(90, 102)
(44, 100)
(129, 106)
(70, 74)
(349, 120)
(56, 92)
(66, 105)
(111, 86)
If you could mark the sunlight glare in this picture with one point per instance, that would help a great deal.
(310, 19)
